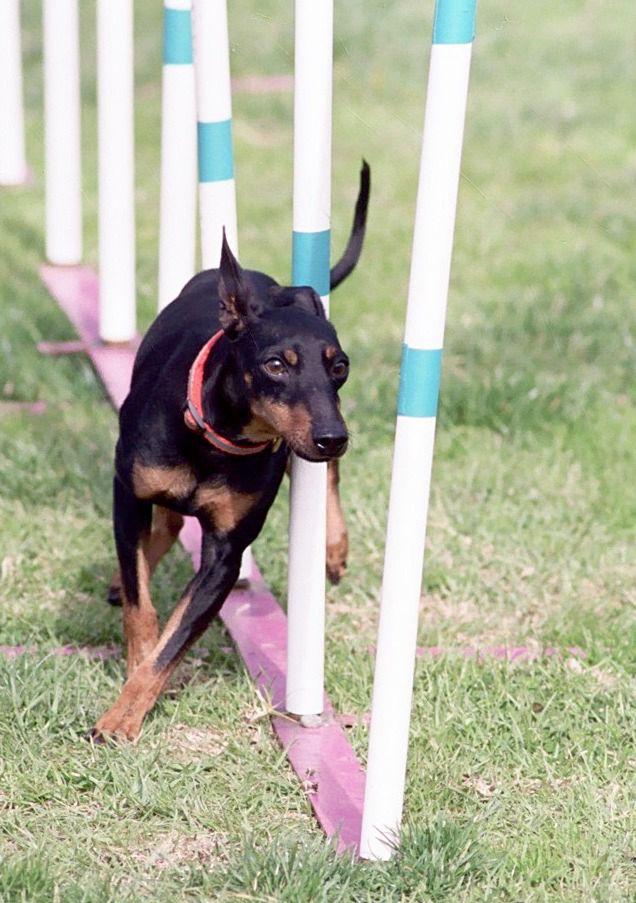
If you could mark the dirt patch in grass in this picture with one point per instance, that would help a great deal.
(192, 744)
(479, 785)
(171, 850)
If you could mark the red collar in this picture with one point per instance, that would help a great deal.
(193, 415)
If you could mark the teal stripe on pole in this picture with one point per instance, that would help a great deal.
(310, 260)
(454, 22)
(420, 373)
(177, 37)
(216, 162)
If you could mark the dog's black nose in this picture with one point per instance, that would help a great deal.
(331, 443)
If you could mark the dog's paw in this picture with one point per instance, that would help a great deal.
(337, 560)
(113, 596)
(94, 737)
(114, 727)
(101, 737)
(335, 576)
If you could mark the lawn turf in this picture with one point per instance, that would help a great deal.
(521, 775)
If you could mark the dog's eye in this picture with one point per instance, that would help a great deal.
(274, 367)
(340, 370)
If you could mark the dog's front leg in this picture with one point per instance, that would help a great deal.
(337, 537)
(202, 599)
(337, 534)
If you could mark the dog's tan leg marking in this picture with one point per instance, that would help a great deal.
(165, 532)
(143, 686)
(166, 526)
(337, 538)
(141, 624)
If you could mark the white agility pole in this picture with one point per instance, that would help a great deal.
(453, 34)
(177, 218)
(310, 266)
(217, 193)
(63, 167)
(13, 168)
(116, 196)
(217, 189)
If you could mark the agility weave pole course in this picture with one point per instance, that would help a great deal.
(317, 749)
(320, 753)
(517, 732)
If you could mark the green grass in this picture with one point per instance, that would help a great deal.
(521, 776)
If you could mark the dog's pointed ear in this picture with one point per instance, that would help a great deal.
(302, 297)
(237, 303)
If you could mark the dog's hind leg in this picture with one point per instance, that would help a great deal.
(166, 526)
(132, 518)
(337, 537)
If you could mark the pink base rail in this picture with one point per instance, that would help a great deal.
(322, 757)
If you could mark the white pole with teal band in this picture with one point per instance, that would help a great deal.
(453, 34)
(310, 266)
(63, 171)
(116, 169)
(178, 211)
(217, 193)
(13, 168)
(217, 189)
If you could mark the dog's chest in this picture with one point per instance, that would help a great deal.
(219, 500)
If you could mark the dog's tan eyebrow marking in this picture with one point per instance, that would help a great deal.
(247, 379)
(290, 356)
(330, 352)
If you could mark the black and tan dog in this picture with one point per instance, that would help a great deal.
(230, 377)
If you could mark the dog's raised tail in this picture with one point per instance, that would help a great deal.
(349, 259)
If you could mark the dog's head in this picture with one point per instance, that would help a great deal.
(290, 361)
